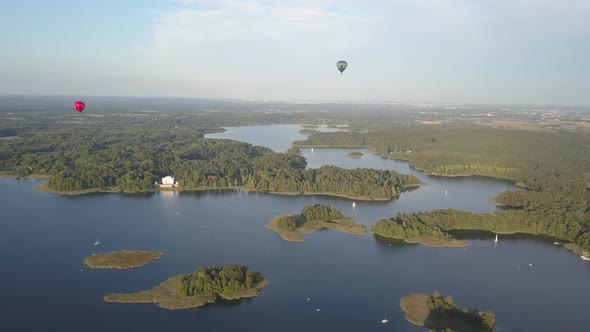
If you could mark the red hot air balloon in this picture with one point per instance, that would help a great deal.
(79, 106)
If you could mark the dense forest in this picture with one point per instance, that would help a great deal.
(552, 166)
(445, 308)
(132, 159)
(222, 280)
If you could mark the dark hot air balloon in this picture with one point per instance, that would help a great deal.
(341, 65)
(79, 106)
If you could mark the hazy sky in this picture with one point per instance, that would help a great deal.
(504, 51)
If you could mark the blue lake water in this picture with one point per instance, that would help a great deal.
(354, 280)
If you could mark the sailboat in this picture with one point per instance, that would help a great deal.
(446, 192)
(496, 240)
(585, 257)
(311, 150)
(96, 242)
(384, 319)
(353, 204)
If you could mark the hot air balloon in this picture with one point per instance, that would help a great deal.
(79, 106)
(341, 65)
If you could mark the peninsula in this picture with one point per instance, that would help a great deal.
(122, 260)
(205, 286)
(416, 231)
(292, 227)
(435, 312)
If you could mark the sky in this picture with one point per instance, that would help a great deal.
(483, 51)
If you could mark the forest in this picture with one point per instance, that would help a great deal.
(553, 168)
(222, 280)
(132, 154)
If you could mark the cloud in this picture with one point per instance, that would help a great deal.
(314, 24)
(420, 47)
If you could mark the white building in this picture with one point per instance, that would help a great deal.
(168, 182)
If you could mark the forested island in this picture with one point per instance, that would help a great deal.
(122, 260)
(354, 154)
(204, 286)
(441, 313)
(551, 166)
(313, 218)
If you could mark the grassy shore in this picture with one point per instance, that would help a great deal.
(430, 241)
(167, 296)
(122, 260)
(575, 248)
(348, 226)
(45, 188)
(415, 308)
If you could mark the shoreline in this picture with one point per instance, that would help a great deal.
(166, 295)
(437, 243)
(308, 193)
(44, 188)
(575, 248)
(6, 175)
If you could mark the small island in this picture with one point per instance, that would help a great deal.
(122, 260)
(205, 286)
(435, 312)
(308, 131)
(355, 154)
(292, 227)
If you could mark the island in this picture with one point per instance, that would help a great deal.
(355, 154)
(122, 260)
(441, 313)
(308, 131)
(204, 286)
(312, 218)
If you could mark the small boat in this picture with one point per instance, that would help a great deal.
(353, 204)
(311, 149)
(96, 242)
(496, 240)
(384, 320)
(556, 243)
(317, 310)
(446, 192)
(585, 257)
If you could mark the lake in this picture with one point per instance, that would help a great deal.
(354, 280)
